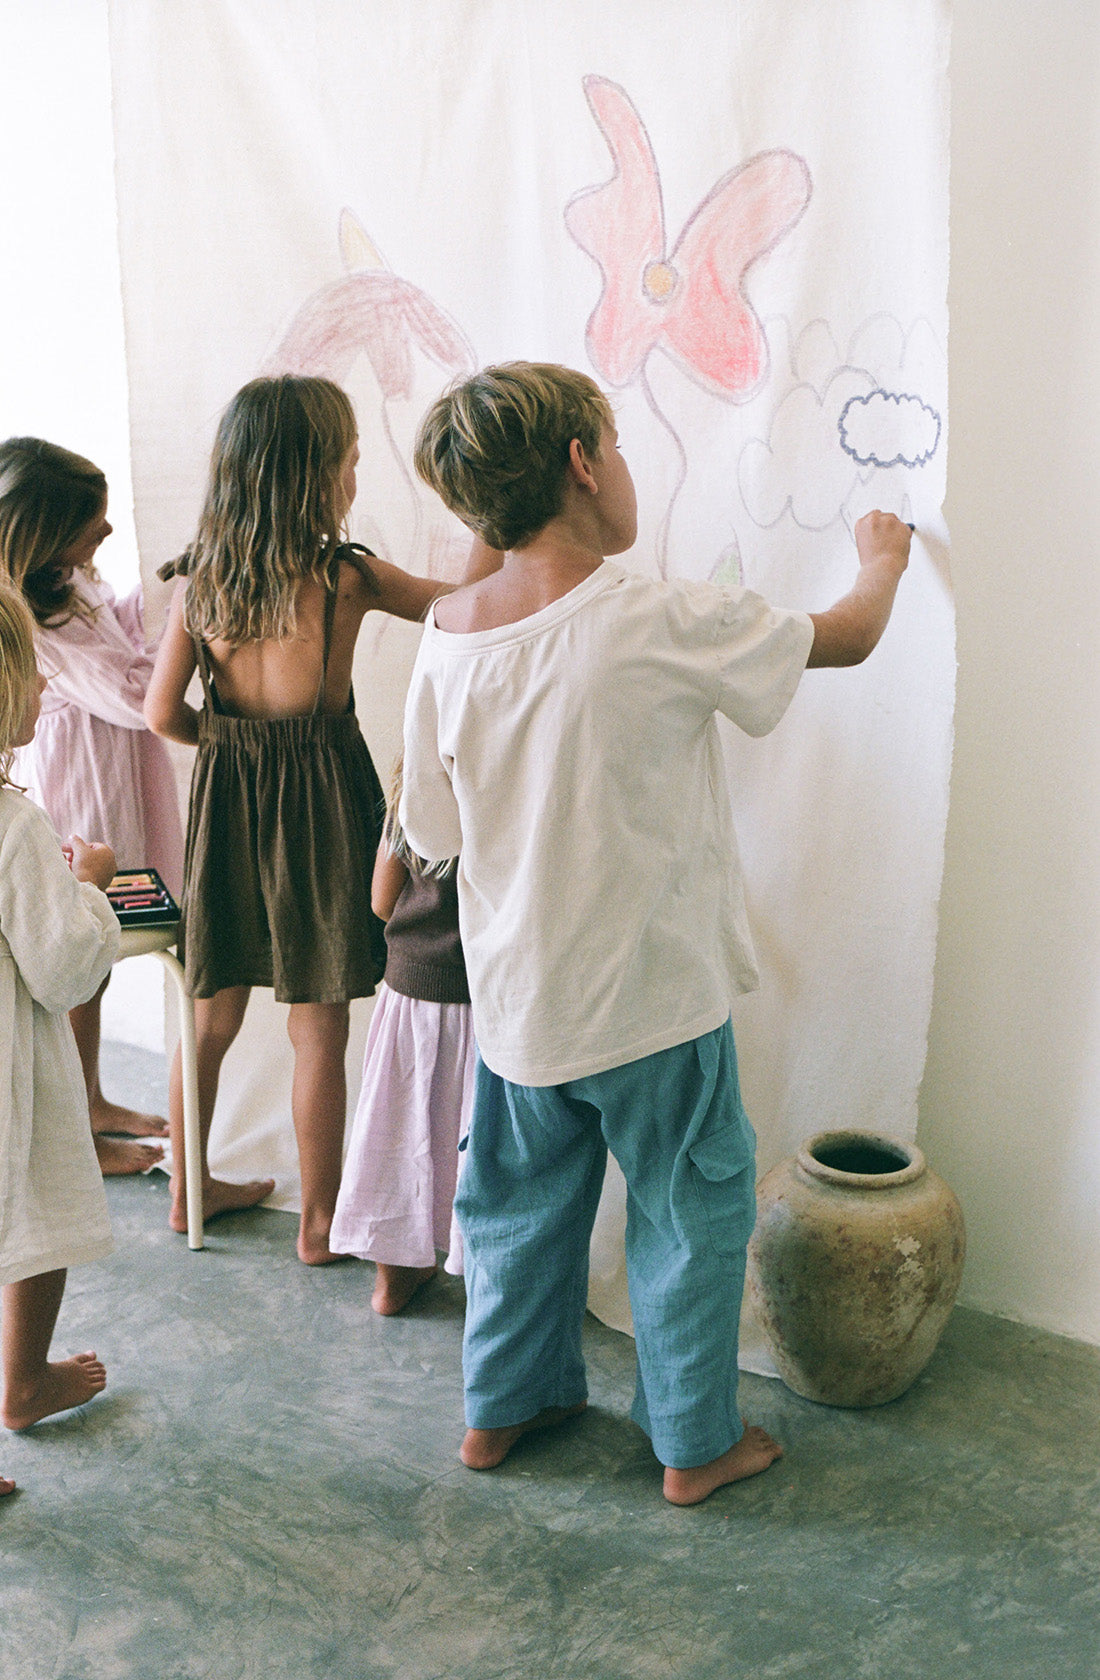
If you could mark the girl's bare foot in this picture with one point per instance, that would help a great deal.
(69, 1382)
(110, 1117)
(314, 1230)
(396, 1286)
(484, 1449)
(318, 1254)
(118, 1157)
(752, 1454)
(218, 1196)
(6, 1486)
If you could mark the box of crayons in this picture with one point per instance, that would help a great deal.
(139, 898)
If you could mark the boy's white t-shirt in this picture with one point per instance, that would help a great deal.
(572, 761)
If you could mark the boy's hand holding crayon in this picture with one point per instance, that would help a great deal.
(850, 630)
(883, 538)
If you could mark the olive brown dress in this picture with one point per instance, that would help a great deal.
(284, 822)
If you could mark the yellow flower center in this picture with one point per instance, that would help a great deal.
(659, 281)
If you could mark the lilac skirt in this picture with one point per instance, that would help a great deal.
(397, 1191)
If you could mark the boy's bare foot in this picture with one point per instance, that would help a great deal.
(6, 1486)
(118, 1157)
(484, 1449)
(110, 1117)
(752, 1454)
(69, 1382)
(396, 1286)
(218, 1196)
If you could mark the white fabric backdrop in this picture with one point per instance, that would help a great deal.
(390, 193)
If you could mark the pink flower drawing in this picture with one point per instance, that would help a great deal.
(373, 312)
(689, 302)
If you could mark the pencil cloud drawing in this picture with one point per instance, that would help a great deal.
(844, 436)
(889, 429)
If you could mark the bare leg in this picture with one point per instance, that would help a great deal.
(319, 1034)
(115, 1158)
(395, 1286)
(33, 1387)
(752, 1454)
(217, 1023)
(484, 1449)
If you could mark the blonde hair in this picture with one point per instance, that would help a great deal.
(495, 448)
(18, 672)
(48, 496)
(393, 835)
(272, 515)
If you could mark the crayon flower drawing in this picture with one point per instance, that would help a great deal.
(690, 302)
(371, 314)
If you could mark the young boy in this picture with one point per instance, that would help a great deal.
(560, 736)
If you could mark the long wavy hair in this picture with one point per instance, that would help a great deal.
(272, 514)
(48, 496)
(17, 672)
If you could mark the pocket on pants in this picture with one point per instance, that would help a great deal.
(723, 1176)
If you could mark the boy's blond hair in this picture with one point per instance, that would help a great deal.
(18, 672)
(495, 448)
(48, 496)
(272, 514)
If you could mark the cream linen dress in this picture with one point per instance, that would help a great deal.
(58, 938)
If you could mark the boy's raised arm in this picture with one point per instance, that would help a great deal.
(850, 629)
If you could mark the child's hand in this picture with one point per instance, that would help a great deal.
(90, 861)
(882, 538)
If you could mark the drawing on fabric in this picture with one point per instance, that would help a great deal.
(849, 432)
(689, 303)
(371, 315)
(869, 428)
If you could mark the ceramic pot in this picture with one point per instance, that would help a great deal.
(853, 1266)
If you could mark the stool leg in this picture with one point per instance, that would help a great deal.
(192, 1143)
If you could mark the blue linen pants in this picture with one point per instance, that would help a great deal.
(526, 1204)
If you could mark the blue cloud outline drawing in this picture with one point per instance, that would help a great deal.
(868, 458)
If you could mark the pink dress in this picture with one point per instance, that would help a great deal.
(93, 766)
(398, 1187)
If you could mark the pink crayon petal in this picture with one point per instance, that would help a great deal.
(621, 225)
(710, 324)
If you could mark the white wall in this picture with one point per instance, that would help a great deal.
(62, 368)
(62, 372)
(1010, 1109)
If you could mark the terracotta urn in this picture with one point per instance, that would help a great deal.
(853, 1266)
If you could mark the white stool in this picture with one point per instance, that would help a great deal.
(158, 942)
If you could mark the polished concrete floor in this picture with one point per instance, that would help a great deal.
(269, 1491)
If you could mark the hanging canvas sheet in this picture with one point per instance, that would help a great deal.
(734, 215)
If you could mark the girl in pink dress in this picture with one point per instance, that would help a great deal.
(396, 1201)
(93, 765)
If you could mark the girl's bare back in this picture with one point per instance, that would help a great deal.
(276, 679)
